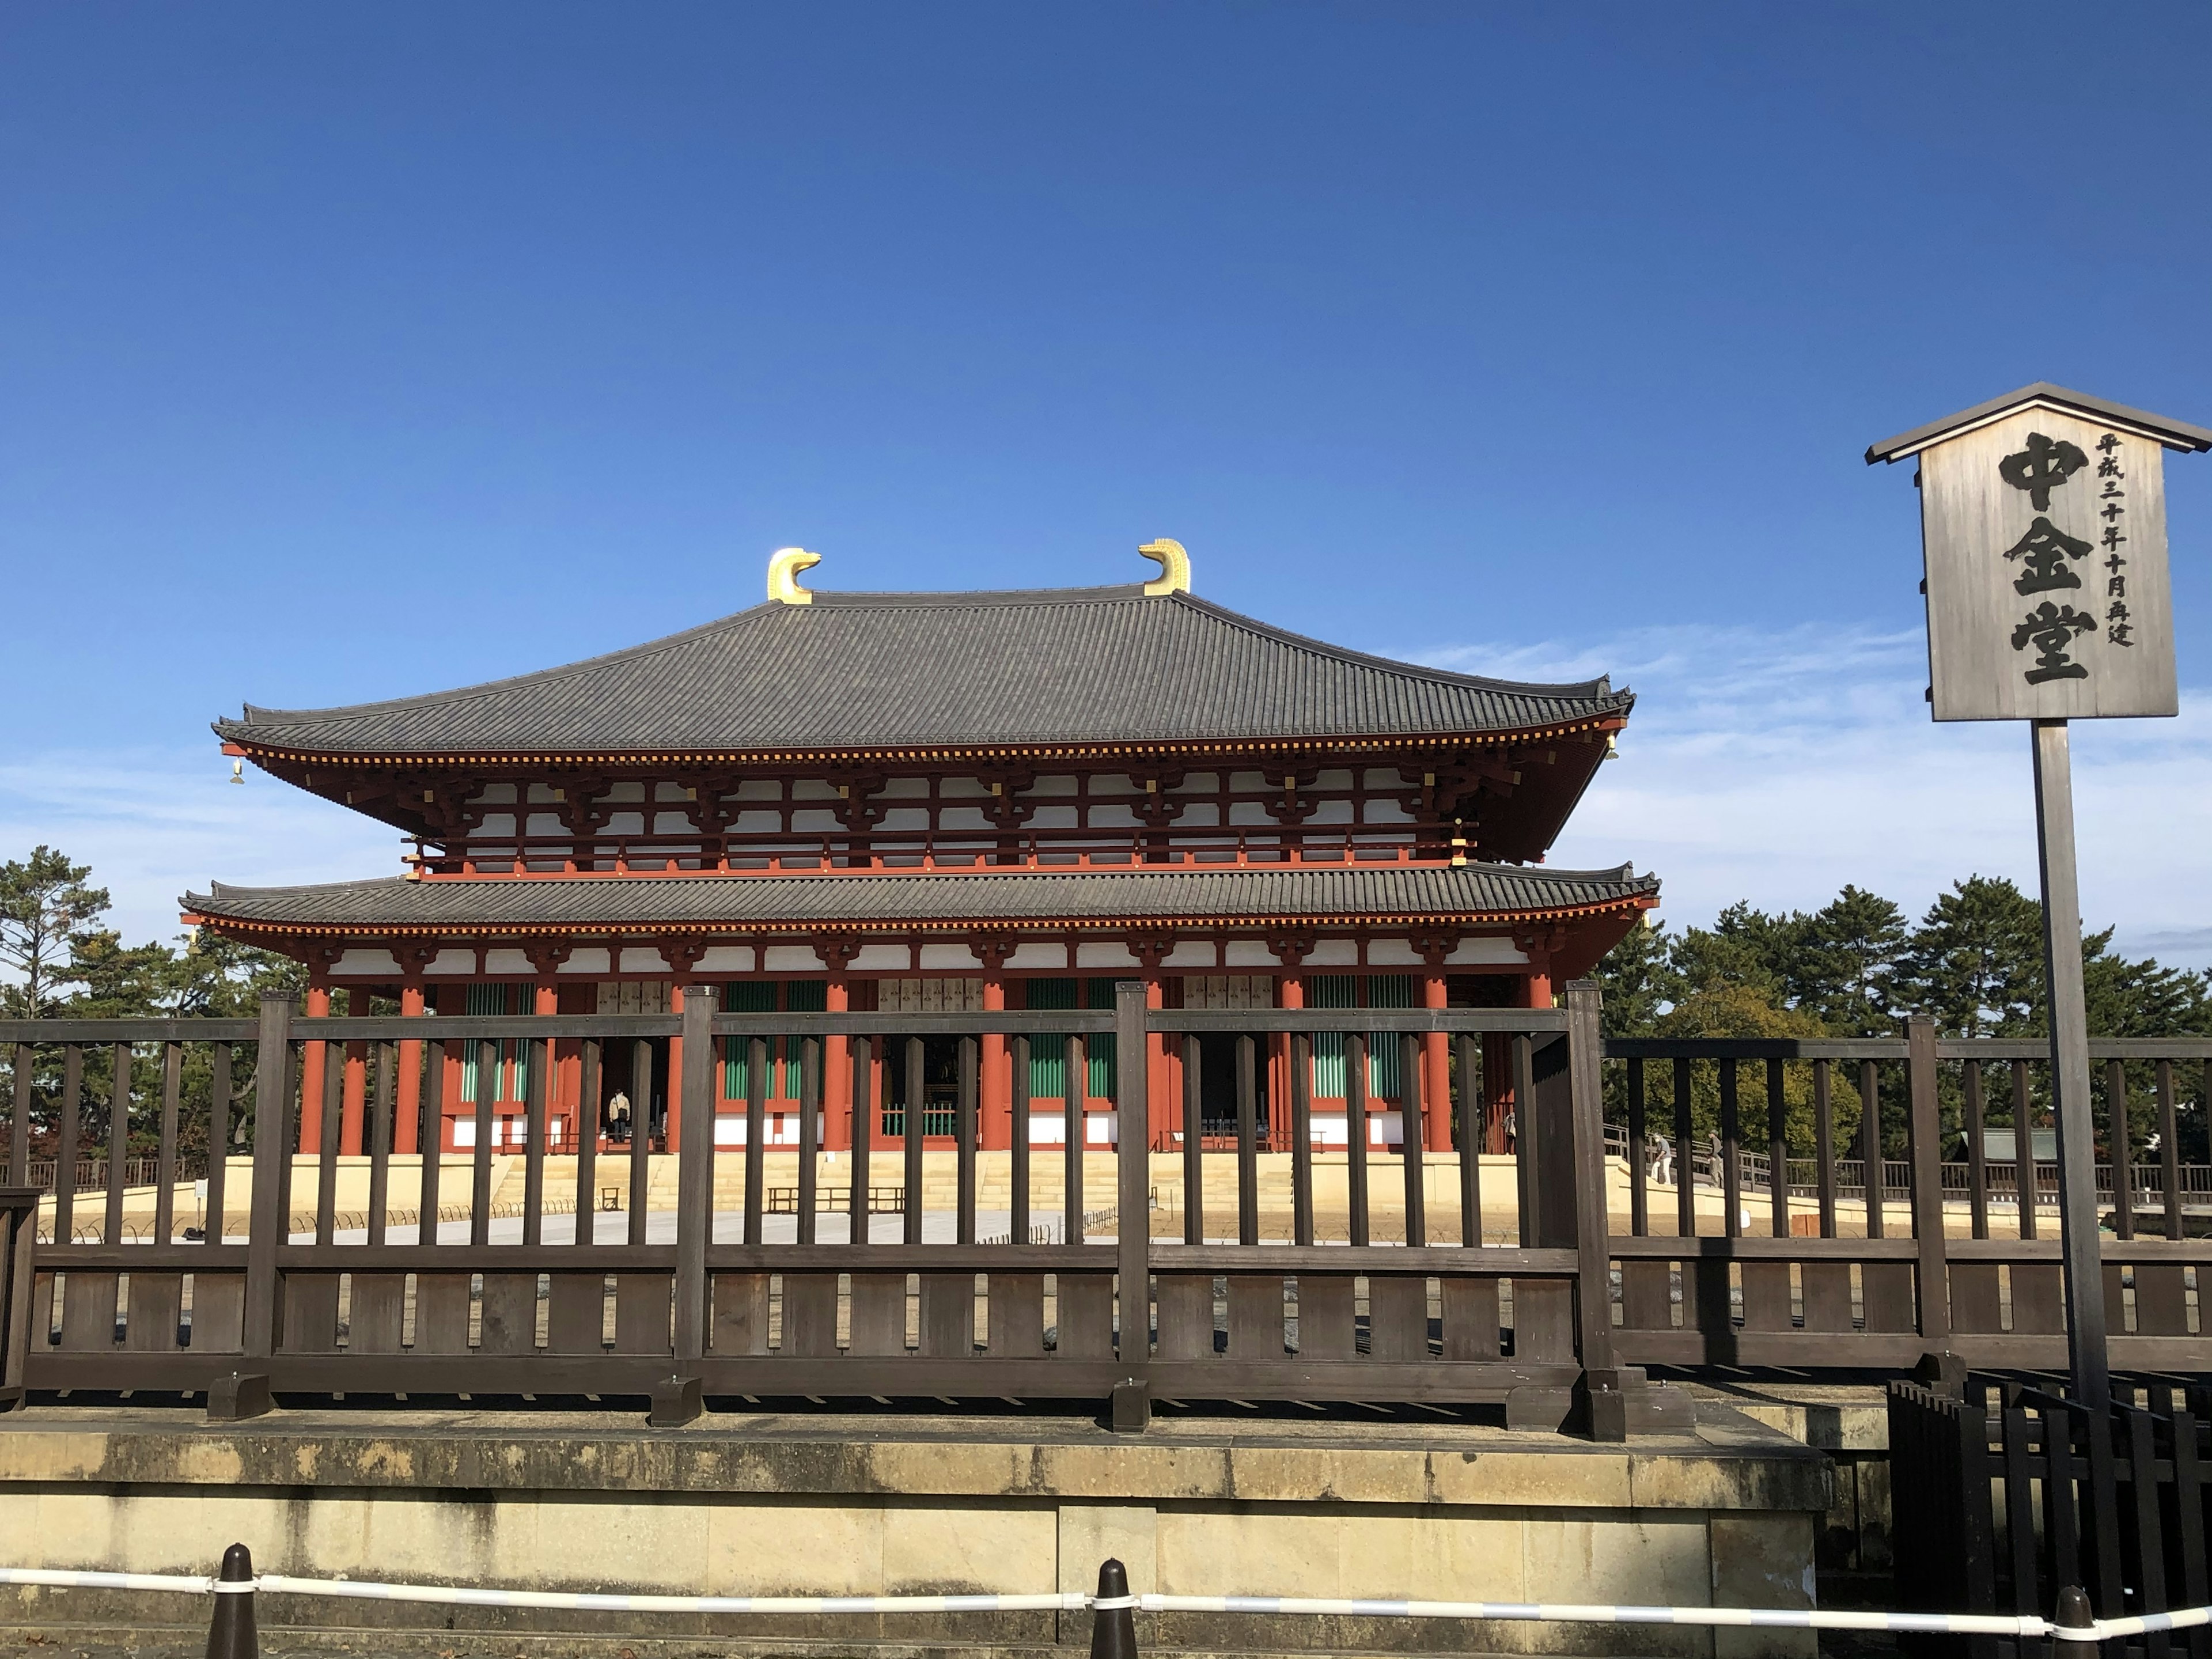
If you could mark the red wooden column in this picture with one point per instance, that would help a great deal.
(311, 1071)
(545, 999)
(1290, 993)
(681, 956)
(407, 1108)
(837, 1072)
(995, 1087)
(1435, 1067)
(354, 1096)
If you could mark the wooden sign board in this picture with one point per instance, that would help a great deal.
(2043, 534)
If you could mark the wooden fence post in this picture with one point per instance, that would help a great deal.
(1925, 1137)
(677, 1400)
(245, 1393)
(1133, 1231)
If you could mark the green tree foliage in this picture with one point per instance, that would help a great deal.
(1856, 967)
(67, 963)
(46, 908)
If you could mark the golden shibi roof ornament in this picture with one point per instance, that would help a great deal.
(783, 568)
(1174, 568)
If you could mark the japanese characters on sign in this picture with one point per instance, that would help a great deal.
(2044, 537)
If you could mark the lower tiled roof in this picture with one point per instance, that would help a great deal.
(863, 902)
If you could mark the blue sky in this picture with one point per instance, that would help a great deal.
(351, 354)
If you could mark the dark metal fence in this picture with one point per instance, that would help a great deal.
(2004, 1495)
(431, 1284)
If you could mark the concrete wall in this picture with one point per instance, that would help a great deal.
(863, 1505)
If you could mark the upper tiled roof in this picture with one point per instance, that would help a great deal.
(647, 903)
(888, 670)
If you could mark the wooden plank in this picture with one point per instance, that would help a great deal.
(1355, 1133)
(310, 1303)
(218, 1312)
(2122, 1152)
(1375, 1258)
(810, 1148)
(19, 1119)
(643, 1306)
(2026, 1182)
(879, 1315)
(2038, 1299)
(1647, 1295)
(1777, 1150)
(1016, 1314)
(380, 1147)
(1976, 1298)
(915, 1098)
(576, 1313)
(377, 1313)
(695, 1173)
(165, 1166)
(1185, 1304)
(738, 1322)
(1708, 1306)
(965, 1107)
(1685, 1186)
(327, 1142)
(863, 1134)
(1194, 1170)
(1824, 1152)
(480, 1160)
(1886, 1295)
(1302, 1218)
(430, 1138)
(537, 1062)
(442, 1314)
(1412, 1083)
(1974, 1113)
(1326, 1316)
(756, 1069)
(2019, 1507)
(1076, 1073)
(1873, 1175)
(1018, 1157)
(1470, 1319)
(1256, 1317)
(1639, 1157)
(1825, 1289)
(1731, 1153)
(1543, 1320)
(588, 1121)
(508, 1313)
(948, 1316)
(1767, 1296)
(219, 1088)
(1398, 1319)
(2162, 1299)
(118, 1141)
(1470, 1143)
(1925, 1143)
(640, 1141)
(157, 1305)
(810, 1312)
(1132, 1171)
(1248, 1145)
(1085, 1323)
(2169, 1161)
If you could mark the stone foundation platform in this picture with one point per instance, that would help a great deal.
(842, 1504)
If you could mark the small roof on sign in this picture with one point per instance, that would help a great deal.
(2174, 434)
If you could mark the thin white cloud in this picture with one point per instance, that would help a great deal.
(1777, 767)
(154, 825)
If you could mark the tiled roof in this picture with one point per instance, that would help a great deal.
(881, 671)
(649, 903)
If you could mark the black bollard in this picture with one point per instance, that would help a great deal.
(2073, 1613)
(1114, 1618)
(232, 1633)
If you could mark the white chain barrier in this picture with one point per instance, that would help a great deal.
(1953, 1624)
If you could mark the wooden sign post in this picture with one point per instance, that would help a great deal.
(2043, 534)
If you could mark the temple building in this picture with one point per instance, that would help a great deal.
(945, 802)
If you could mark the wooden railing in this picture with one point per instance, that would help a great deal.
(1838, 1278)
(1458, 1279)
(736, 1296)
